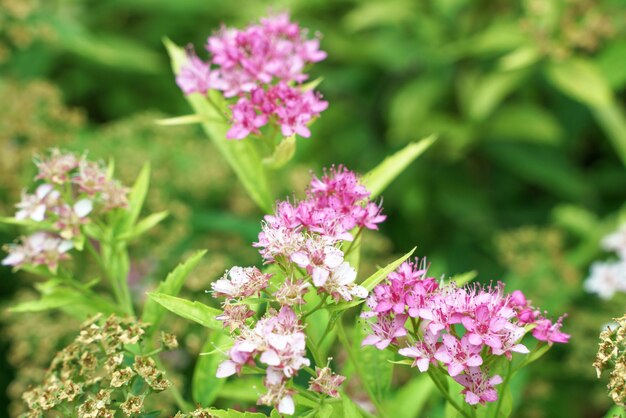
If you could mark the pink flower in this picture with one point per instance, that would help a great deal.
(386, 331)
(549, 332)
(56, 168)
(234, 316)
(340, 284)
(319, 257)
(245, 120)
(326, 382)
(485, 327)
(479, 388)
(242, 282)
(40, 248)
(510, 343)
(423, 352)
(458, 355)
(196, 76)
(34, 206)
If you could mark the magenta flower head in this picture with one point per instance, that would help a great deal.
(260, 68)
(458, 329)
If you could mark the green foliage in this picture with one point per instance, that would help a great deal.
(193, 311)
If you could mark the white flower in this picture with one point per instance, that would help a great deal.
(607, 278)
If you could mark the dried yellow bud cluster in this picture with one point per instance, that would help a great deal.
(611, 357)
(102, 367)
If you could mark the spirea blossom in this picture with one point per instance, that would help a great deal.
(306, 244)
(73, 190)
(277, 340)
(459, 327)
(261, 70)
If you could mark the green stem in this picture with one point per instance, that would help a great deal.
(341, 334)
(356, 238)
(315, 309)
(444, 392)
(504, 387)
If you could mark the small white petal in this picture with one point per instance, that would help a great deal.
(83, 207)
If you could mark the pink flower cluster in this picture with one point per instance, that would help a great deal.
(263, 67)
(305, 241)
(278, 341)
(310, 233)
(458, 327)
(72, 187)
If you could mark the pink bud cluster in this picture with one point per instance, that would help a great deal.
(455, 327)
(305, 242)
(311, 233)
(73, 189)
(262, 67)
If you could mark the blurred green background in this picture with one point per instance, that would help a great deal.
(526, 177)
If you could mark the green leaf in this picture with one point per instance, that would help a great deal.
(384, 173)
(9, 220)
(283, 153)
(521, 57)
(410, 399)
(486, 93)
(73, 301)
(145, 225)
(377, 370)
(171, 286)
(464, 278)
(326, 411)
(181, 120)
(194, 311)
(382, 273)
(581, 80)
(231, 413)
(205, 385)
(137, 196)
(242, 156)
(613, 122)
(350, 410)
(242, 389)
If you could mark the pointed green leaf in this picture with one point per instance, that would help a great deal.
(153, 311)
(384, 173)
(612, 120)
(194, 311)
(205, 385)
(381, 274)
(581, 80)
(350, 410)
(242, 156)
(283, 153)
(411, 398)
(144, 225)
(137, 196)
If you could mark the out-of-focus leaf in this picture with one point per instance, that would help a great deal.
(384, 173)
(107, 49)
(610, 61)
(145, 225)
(55, 295)
(524, 122)
(372, 14)
(410, 399)
(205, 386)
(581, 80)
(242, 155)
(487, 92)
(464, 278)
(282, 154)
(194, 311)
(326, 411)
(231, 413)
(137, 196)
(542, 166)
(242, 389)
(152, 310)
(519, 58)
(183, 120)
(612, 120)
(382, 273)
(350, 410)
